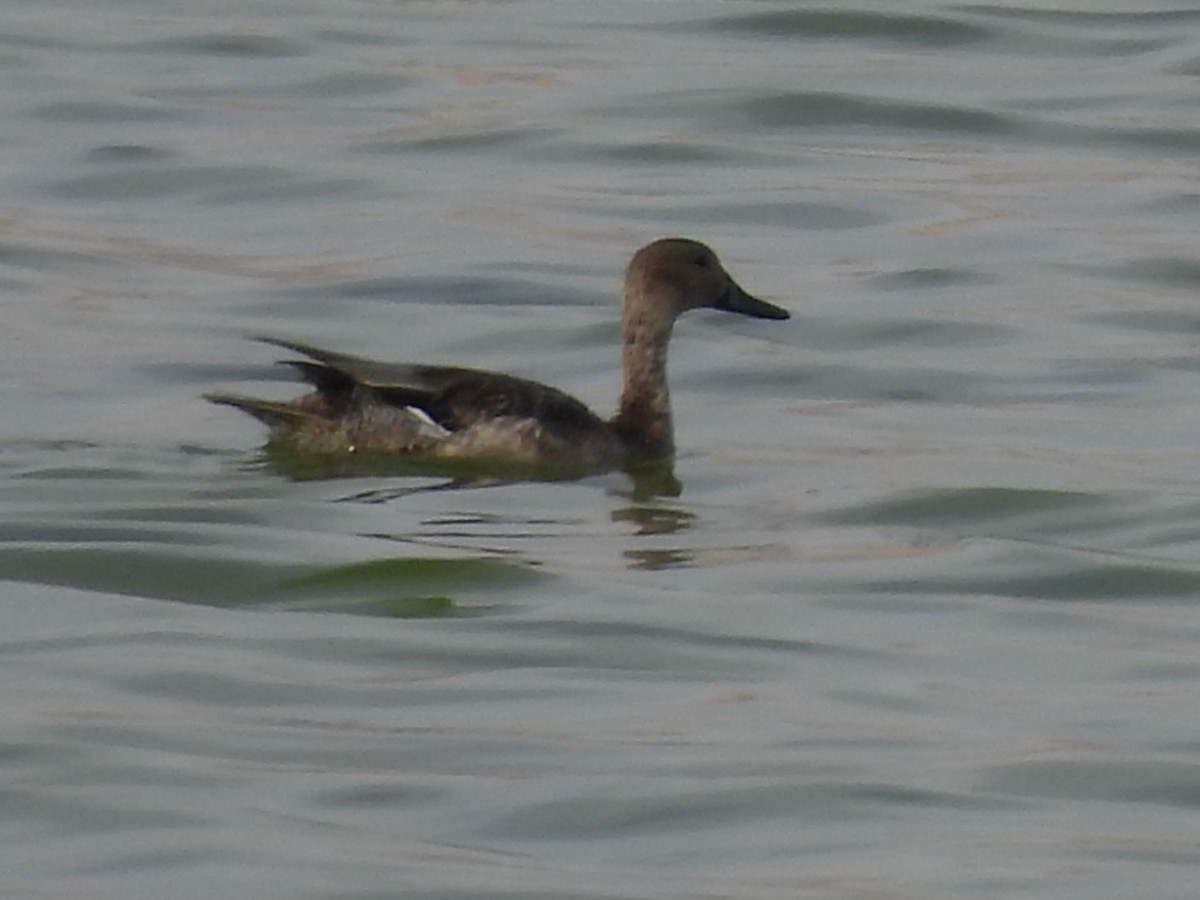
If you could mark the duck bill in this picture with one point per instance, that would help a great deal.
(738, 301)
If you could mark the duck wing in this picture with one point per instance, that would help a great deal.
(456, 398)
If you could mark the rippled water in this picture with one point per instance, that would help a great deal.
(921, 621)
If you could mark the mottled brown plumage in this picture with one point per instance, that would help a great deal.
(440, 411)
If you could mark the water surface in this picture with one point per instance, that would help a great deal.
(920, 622)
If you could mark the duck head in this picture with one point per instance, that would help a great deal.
(672, 275)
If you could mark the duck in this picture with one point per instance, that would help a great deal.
(434, 412)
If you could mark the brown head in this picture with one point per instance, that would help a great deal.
(673, 275)
(665, 278)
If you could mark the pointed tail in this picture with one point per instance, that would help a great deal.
(268, 412)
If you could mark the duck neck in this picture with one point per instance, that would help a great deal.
(644, 419)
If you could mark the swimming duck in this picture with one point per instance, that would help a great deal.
(360, 405)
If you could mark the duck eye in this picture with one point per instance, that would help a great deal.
(702, 262)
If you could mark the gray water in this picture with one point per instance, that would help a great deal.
(921, 621)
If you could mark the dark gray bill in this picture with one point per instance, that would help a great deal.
(737, 300)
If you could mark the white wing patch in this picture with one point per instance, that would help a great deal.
(426, 427)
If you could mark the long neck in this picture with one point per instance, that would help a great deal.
(644, 419)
